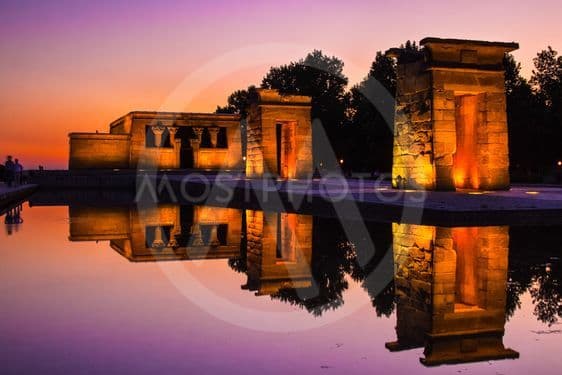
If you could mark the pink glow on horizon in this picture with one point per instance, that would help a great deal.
(77, 65)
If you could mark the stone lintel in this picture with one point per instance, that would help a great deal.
(466, 54)
(507, 46)
(181, 116)
(99, 136)
(273, 97)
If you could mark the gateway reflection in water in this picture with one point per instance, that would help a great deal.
(450, 283)
(451, 292)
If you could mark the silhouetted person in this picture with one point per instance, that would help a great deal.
(18, 172)
(10, 171)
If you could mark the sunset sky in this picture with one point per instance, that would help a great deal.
(77, 65)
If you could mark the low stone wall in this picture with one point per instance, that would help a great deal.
(98, 151)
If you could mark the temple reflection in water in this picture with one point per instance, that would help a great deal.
(163, 232)
(451, 292)
(450, 283)
(279, 251)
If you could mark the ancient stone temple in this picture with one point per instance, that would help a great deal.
(451, 292)
(450, 128)
(279, 136)
(161, 140)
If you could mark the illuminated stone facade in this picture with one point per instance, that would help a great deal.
(279, 136)
(279, 251)
(164, 140)
(450, 128)
(451, 292)
(163, 232)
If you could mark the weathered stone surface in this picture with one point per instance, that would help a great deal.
(460, 94)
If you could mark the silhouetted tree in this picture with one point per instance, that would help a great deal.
(371, 132)
(546, 291)
(547, 86)
(534, 266)
(372, 114)
(326, 293)
(547, 77)
(237, 102)
(522, 119)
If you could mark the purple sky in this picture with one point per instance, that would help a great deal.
(77, 65)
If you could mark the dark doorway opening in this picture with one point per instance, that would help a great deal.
(286, 149)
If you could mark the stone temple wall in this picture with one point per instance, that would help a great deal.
(413, 277)
(413, 128)
(98, 151)
(125, 146)
(451, 122)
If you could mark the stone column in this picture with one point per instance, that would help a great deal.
(176, 144)
(172, 243)
(172, 130)
(158, 131)
(214, 132)
(195, 143)
(199, 133)
(196, 237)
(158, 242)
(214, 239)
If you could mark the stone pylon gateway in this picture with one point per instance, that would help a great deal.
(450, 129)
(279, 136)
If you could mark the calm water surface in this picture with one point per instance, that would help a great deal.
(173, 289)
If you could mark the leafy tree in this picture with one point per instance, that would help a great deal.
(547, 77)
(237, 102)
(372, 111)
(546, 81)
(522, 115)
(371, 129)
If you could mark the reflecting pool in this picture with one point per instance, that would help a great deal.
(114, 288)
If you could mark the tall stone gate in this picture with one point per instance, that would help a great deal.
(279, 136)
(450, 128)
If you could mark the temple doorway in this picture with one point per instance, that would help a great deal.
(185, 134)
(286, 149)
(286, 237)
(186, 156)
(465, 161)
(468, 273)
